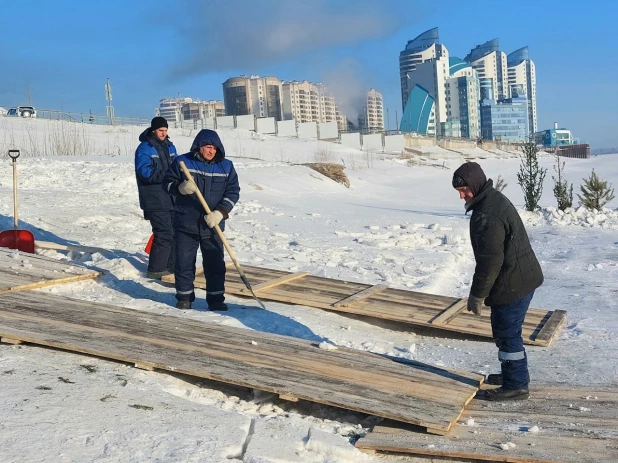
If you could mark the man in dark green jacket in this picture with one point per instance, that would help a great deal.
(507, 273)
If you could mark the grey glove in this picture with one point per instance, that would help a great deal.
(475, 304)
(187, 188)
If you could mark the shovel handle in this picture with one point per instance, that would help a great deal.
(15, 219)
(189, 178)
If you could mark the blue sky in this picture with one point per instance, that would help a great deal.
(65, 49)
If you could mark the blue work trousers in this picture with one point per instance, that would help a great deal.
(506, 325)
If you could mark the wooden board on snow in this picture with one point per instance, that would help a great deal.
(416, 393)
(409, 307)
(574, 425)
(20, 271)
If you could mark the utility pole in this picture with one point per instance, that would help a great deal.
(388, 121)
(110, 108)
(396, 121)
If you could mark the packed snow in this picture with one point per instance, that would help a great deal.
(399, 223)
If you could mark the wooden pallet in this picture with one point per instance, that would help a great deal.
(379, 301)
(20, 271)
(293, 368)
(566, 433)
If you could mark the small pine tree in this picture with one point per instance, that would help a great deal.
(531, 176)
(596, 193)
(562, 191)
(500, 184)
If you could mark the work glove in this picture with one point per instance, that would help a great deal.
(213, 218)
(187, 188)
(475, 304)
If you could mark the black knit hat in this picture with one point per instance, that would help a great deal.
(458, 182)
(471, 175)
(157, 123)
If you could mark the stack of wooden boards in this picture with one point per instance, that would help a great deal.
(420, 395)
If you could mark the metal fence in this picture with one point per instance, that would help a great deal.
(87, 118)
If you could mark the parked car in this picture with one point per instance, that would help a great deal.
(22, 111)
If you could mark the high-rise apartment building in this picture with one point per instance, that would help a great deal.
(372, 117)
(505, 120)
(171, 108)
(202, 109)
(522, 81)
(462, 101)
(424, 67)
(311, 102)
(491, 65)
(260, 96)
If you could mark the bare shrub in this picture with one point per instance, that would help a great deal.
(333, 171)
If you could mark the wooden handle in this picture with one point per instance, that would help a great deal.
(15, 219)
(189, 178)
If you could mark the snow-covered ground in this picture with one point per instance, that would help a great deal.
(400, 223)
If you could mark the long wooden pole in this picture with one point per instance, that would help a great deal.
(243, 277)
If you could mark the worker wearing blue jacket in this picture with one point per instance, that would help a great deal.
(153, 157)
(216, 179)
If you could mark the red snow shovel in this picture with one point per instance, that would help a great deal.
(149, 244)
(22, 240)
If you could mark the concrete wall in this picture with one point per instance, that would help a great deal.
(226, 122)
(266, 125)
(328, 130)
(373, 142)
(286, 128)
(393, 144)
(307, 130)
(351, 139)
(245, 122)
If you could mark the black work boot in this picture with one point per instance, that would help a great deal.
(157, 275)
(495, 379)
(218, 306)
(501, 394)
(183, 305)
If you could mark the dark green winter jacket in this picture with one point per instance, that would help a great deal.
(506, 267)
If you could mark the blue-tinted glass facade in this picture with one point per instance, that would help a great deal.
(506, 120)
(417, 111)
(456, 64)
(518, 56)
(412, 55)
(483, 50)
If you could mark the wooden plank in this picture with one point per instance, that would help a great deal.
(408, 307)
(360, 296)
(71, 247)
(567, 434)
(449, 313)
(42, 284)
(21, 271)
(10, 341)
(276, 282)
(549, 330)
(426, 396)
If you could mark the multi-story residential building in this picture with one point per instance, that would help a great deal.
(372, 117)
(522, 81)
(311, 102)
(171, 108)
(202, 109)
(260, 96)
(462, 101)
(424, 67)
(505, 120)
(491, 65)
